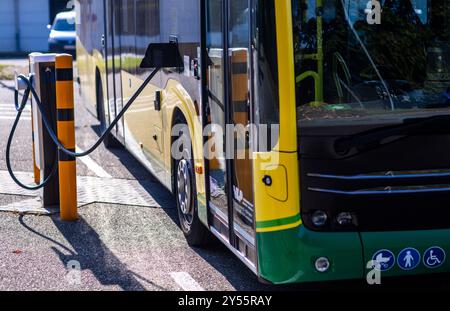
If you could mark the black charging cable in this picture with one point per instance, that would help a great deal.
(113, 124)
(20, 107)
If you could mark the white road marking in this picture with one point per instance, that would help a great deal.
(13, 118)
(93, 166)
(9, 112)
(186, 282)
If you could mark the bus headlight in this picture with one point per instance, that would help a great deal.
(319, 218)
(344, 219)
(322, 264)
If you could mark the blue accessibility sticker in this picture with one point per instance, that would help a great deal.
(434, 257)
(383, 260)
(408, 259)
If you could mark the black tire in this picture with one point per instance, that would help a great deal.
(110, 141)
(185, 193)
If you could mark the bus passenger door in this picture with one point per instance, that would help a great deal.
(113, 60)
(240, 116)
(214, 95)
(227, 95)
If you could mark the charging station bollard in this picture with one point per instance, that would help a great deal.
(66, 135)
(42, 67)
(51, 77)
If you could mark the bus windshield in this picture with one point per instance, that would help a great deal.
(360, 59)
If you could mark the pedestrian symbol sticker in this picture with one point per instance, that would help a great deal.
(408, 259)
(434, 257)
(383, 260)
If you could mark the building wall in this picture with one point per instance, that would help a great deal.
(26, 31)
(33, 24)
(7, 26)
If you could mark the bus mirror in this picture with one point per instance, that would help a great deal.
(162, 55)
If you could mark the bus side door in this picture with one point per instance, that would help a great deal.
(113, 62)
(228, 98)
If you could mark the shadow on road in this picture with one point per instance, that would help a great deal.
(88, 249)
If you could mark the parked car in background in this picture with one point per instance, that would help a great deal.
(62, 38)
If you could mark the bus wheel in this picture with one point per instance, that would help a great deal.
(185, 191)
(110, 141)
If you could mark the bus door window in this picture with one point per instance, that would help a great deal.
(239, 65)
(127, 54)
(265, 72)
(216, 101)
(113, 64)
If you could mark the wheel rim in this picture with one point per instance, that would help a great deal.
(184, 191)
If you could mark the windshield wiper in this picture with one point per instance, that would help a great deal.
(372, 139)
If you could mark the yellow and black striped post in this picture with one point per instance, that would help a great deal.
(66, 134)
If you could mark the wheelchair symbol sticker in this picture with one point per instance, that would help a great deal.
(383, 260)
(434, 257)
(408, 259)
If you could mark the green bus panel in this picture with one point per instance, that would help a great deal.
(288, 256)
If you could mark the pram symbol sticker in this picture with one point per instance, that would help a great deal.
(383, 260)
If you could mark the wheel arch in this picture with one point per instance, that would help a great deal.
(177, 117)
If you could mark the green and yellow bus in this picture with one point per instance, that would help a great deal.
(352, 172)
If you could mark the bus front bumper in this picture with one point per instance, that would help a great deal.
(289, 256)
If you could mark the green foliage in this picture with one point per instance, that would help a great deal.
(6, 72)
